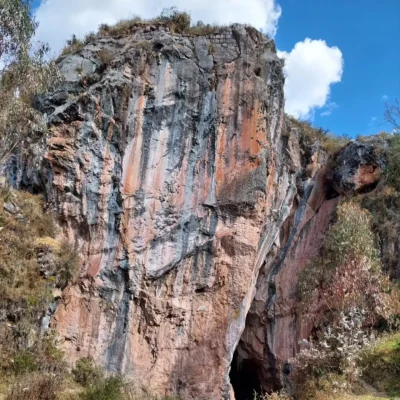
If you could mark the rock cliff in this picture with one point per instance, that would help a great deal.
(193, 204)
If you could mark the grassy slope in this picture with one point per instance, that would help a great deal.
(382, 366)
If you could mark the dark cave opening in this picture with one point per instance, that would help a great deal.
(244, 378)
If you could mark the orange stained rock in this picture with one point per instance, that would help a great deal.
(94, 265)
(367, 175)
(131, 165)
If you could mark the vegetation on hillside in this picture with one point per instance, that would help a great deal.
(24, 74)
(347, 291)
(347, 273)
(384, 207)
(34, 265)
(344, 289)
(381, 365)
(311, 134)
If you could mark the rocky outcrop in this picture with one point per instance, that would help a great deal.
(172, 170)
(274, 327)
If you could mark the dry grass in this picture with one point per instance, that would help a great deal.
(32, 264)
(26, 231)
(20, 278)
(122, 27)
(36, 386)
(177, 23)
(105, 56)
(311, 134)
(47, 242)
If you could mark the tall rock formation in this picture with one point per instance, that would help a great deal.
(171, 168)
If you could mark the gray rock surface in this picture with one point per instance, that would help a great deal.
(172, 170)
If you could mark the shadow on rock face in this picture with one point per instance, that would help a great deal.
(244, 378)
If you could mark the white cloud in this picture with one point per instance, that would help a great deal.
(385, 97)
(372, 122)
(329, 108)
(310, 68)
(59, 19)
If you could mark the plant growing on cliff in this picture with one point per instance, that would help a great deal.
(66, 264)
(86, 373)
(36, 386)
(392, 170)
(106, 389)
(32, 264)
(24, 74)
(348, 272)
(331, 363)
(310, 134)
(176, 21)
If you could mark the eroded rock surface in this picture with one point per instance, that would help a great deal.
(274, 327)
(172, 170)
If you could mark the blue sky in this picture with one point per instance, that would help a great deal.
(368, 34)
(351, 62)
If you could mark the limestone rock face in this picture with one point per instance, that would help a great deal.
(274, 328)
(172, 170)
(169, 169)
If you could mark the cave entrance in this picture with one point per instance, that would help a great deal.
(244, 378)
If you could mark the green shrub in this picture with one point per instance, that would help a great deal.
(86, 373)
(105, 389)
(42, 356)
(381, 365)
(348, 271)
(25, 362)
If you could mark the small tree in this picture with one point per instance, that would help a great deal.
(336, 354)
(392, 115)
(24, 73)
(348, 271)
